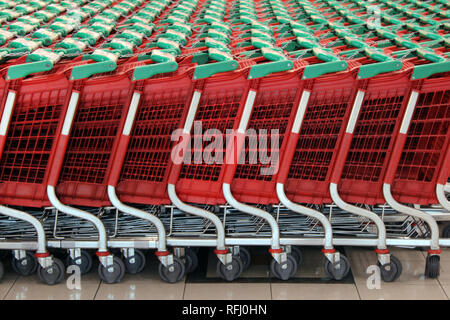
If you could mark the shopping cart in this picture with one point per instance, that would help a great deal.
(419, 165)
(109, 134)
(31, 113)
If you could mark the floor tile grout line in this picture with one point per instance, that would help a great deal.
(271, 293)
(442, 287)
(96, 291)
(184, 289)
(357, 291)
(10, 288)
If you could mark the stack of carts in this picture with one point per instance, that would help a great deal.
(171, 125)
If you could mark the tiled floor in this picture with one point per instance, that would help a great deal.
(147, 285)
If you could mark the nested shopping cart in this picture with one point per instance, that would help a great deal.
(82, 162)
(131, 159)
(418, 169)
(32, 111)
(364, 155)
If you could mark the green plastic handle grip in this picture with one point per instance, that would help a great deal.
(384, 64)
(438, 64)
(103, 64)
(279, 63)
(331, 64)
(148, 71)
(23, 70)
(225, 63)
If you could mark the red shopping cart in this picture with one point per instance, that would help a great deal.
(419, 165)
(32, 112)
(309, 157)
(363, 157)
(142, 161)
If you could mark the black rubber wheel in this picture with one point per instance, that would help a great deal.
(432, 266)
(230, 271)
(174, 272)
(137, 265)
(284, 270)
(332, 270)
(30, 266)
(446, 231)
(116, 274)
(245, 256)
(4, 254)
(52, 275)
(2, 271)
(191, 260)
(391, 271)
(297, 254)
(195, 249)
(86, 262)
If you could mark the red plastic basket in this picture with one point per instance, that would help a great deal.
(382, 110)
(425, 155)
(36, 118)
(163, 109)
(320, 136)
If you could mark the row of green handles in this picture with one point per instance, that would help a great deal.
(165, 61)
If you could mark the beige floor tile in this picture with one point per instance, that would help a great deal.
(7, 283)
(227, 291)
(30, 288)
(444, 277)
(143, 286)
(446, 288)
(398, 291)
(303, 291)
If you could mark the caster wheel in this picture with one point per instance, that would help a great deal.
(195, 249)
(3, 254)
(114, 273)
(85, 259)
(137, 264)
(297, 254)
(230, 271)
(246, 259)
(338, 270)
(2, 271)
(191, 260)
(25, 266)
(432, 266)
(446, 231)
(59, 253)
(393, 272)
(285, 270)
(53, 274)
(172, 273)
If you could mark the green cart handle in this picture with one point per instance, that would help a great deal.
(225, 63)
(23, 70)
(438, 64)
(223, 27)
(165, 62)
(105, 62)
(260, 43)
(352, 41)
(331, 64)
(405, 43)
(385, 64)
(279, 63)
(306, 43)
(385, 34)
(39, 61)
(430, 35)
